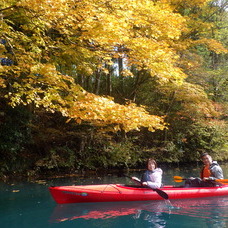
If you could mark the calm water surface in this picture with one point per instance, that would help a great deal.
(29, 205)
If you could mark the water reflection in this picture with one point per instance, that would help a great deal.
(154, 213)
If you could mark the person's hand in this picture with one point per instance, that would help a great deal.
(205, 178)
(135, 178)
(144, 184)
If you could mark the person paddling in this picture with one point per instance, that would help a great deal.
(152, 177)
(209, 173)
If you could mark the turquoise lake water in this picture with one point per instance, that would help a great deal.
(25, 204)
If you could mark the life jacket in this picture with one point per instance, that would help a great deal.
(146, 176)
(206, 172)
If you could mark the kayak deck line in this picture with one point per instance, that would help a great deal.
(116, 188)
(92, 188)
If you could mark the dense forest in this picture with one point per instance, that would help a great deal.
(94, 84)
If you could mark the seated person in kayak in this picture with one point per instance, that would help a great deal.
(152, 177)
(210, 172)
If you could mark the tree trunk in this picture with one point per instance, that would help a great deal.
(136, 86)
(109, 80)
(109, 85)
(120, 69)
(97, 81)
(81, 80)
(87, 83)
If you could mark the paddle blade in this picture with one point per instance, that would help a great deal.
(178, 179)
(225, 181)
(161, 193)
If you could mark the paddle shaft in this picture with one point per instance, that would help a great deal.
(159, 191)
(180, 179)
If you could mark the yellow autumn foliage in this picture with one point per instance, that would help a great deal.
(44, 35)
(212, 45)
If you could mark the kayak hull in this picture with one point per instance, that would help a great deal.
(117, 192)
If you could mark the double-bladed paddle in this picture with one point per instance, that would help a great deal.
(180, 179)
(159, 191)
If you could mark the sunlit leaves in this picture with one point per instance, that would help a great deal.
(100, 26)
(85, 35)
(195, 103)
(104, 111)
(212, 45)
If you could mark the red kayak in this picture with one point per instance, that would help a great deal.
(118, 192)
